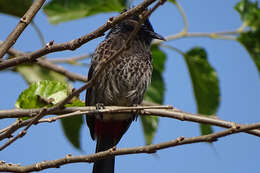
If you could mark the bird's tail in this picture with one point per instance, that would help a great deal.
(104, 165)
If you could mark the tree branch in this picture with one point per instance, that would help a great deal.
(100, 68)
(213, 35)
(47, 64)
(8, 167)
(22, 133)
(59, 69)
(70, 60)
(24, 21)
(76, 43)
(162, 111)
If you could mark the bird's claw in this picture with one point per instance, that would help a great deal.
(100, 106)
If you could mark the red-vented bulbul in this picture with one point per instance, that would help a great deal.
(122, 82)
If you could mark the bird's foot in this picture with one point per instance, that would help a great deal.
(100, 106)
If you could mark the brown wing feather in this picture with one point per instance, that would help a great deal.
(90, 119)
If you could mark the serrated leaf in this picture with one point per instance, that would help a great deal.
(15, 7)
(35, 73)
(42, 94)
(205, 84)
(251, 41)
(154, 93)
(65, 10)
(250, 13)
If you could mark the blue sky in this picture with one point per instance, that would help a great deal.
(239, 83)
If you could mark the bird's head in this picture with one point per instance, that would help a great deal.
(146, 32)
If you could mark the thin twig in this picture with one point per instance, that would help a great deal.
(8, 131)
(57, 68)
(39, 33)
(185, 21)
(24, 131)
(7, 167)
(21, 113)
(70, 60)
(24, 21)
(214, 35)
(143, 110)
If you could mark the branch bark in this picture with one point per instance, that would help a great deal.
(24, 21)
(162, 111)
(5, 167)
(59, 69)
(47, 64)
(70, 60)
(76, 43)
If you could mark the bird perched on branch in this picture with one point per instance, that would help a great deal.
(122, 82)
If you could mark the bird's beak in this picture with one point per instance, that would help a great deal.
(156, 36)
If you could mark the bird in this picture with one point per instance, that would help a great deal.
(122, 82)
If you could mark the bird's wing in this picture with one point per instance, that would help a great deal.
(88, 99)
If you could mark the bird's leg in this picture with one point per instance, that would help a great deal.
(100, 106)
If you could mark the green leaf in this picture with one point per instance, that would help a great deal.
(65, 10)
(173, 1)
(71, 127)
(251, 41)
(150, 125)
(154, 93)
(205, 84)
(43, 94)
(76, 103)
(250, 13)
(15, 7)
(205, 129)
(35, 73)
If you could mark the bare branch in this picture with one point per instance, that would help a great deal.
(24, 21)
(227, 35)
(22, 133)
(70, 60)
(59, 69)
(185, 21)
(5, 167)
(45, 63)
(162, 111)
(73, 111)
(76, 43)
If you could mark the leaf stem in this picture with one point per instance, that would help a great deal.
(39, 33)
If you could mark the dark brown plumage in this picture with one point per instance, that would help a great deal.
(122, 82)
